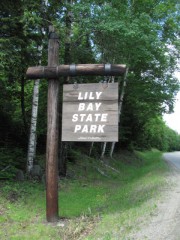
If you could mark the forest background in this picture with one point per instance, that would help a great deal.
(143, 34)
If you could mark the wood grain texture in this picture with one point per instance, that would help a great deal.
(49, 72)
(108, 107)
(52, 137)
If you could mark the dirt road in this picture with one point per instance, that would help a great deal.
(165, 224)
(173, 158)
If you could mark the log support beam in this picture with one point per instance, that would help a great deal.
(54, 72)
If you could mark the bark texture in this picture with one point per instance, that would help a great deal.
(32, 136)
(52, 133)
(120, 108)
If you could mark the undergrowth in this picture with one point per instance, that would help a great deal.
(11, 160)
(98, 199)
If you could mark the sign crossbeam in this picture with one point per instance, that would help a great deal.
(50, 72)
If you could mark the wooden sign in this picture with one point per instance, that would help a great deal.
(90, 112)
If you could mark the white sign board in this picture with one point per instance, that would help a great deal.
(90, 112)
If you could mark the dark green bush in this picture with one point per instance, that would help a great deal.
(11, 160)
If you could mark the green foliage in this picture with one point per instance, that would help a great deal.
(173, 140)
(141, 34)
(156, 134)
(11, 160)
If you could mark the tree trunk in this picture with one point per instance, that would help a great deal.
(91, 148)
(103, 150)
(68, 23)
(63, 159)
(32, 137)
(23, 105)
(120, 107)
(67, 60)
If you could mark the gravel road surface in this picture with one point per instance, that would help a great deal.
(173, 158)
(165, 223)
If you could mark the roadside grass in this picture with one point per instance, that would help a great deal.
(101, 200)
(135, 200)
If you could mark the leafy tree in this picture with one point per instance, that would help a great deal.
(141, 34)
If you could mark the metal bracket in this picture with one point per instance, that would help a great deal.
(43, 72)
(72, 69)
(57, 70)
(107, 69)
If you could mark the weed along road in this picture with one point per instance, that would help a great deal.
(173, 158)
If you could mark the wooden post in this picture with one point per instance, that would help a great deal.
(52, 133)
